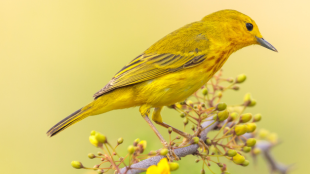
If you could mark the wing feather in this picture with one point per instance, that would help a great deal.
(149, 66)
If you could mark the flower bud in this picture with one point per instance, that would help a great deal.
(96, 166)
(94, 141)
(250, 127)
(185, 121)
(252, 103)
(151, 153)
(136, 141)
(182, 103)
(169, 130)
(246, 149)
(240, 129)
(215, 117)
(92, 132)
(76, 164)
(205, 91)
(131, 149)
(120, 140)
(189, 102)
(219, 94)
(99, 153)
(263, 133)
(182, 115)
(236, 88)
(226, 129)
(220, 164)
(193, 127)
(233, 116)
(196, 140)
(245, 117)
(202, 171)
(163, 152)
(143, 144)
(173, 166)
(245, 163)
(257, 118)
(221, 106)
(251, 142)
(100, 138)
(238, 159)
(208, 141)
(256, 151)
(247, 97)
(222, 115)
(230, 80)
(100, 171)
(213, 150)
(231, 153)
(241, 78)
(273, 137)
(91, 155)
(197, 160)
(178, 105)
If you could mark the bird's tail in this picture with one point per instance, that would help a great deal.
(70, 120)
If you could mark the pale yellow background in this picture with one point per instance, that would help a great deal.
(55, 54)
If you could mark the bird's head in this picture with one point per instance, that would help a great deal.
(233, 27)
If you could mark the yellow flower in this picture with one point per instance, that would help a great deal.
(161, 168)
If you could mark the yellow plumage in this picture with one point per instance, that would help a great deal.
(173, 68)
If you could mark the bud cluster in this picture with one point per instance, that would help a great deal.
(110, 159)
(236, 130)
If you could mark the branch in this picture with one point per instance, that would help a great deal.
(274, 165)
(181, 152)
(265, 147)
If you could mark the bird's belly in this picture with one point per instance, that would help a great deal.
(172, 88)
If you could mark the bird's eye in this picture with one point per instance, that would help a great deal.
(249, 26)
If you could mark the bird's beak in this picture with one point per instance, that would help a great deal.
(265, 44)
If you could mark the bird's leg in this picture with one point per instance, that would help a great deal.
(156, 117)
(171, 155)
(162, 140)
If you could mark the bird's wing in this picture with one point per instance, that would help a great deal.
(149, 66)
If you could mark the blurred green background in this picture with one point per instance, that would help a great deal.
(56, 54)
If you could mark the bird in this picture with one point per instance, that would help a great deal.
(172, 69)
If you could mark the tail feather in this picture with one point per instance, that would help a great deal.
(68, 121)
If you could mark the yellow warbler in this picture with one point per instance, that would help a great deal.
(173, 68)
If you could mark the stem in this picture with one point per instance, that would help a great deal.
(112, 160)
